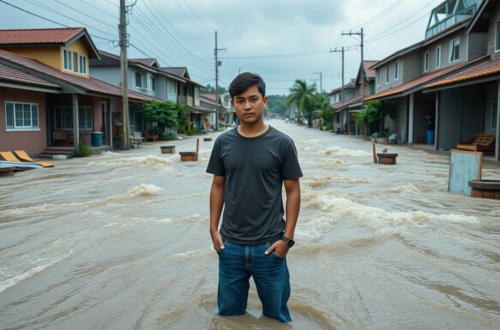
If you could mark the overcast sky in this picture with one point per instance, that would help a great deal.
(182, 33)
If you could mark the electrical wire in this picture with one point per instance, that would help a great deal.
(198, 16)
(191, 18)
(81, 13)
(380, 15)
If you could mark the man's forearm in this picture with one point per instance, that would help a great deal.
(292, 209)
(216, 204)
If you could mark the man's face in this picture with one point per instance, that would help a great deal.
(250, 105)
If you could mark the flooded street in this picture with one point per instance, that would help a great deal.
(121, 241)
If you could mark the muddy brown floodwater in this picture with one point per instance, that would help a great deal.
(121, 241)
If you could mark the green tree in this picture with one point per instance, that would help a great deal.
(302, 94)
(211, 90)
(373, 115)
(182, 118)
(161, 114)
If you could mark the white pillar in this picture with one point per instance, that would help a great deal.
(497, 146)
(75, 122)
(410, 119)
(437, 114)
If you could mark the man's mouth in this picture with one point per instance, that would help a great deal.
(248, 114)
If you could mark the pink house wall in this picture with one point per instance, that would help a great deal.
(33, 142)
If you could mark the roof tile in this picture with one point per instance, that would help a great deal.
(38, 36)
(11, 74)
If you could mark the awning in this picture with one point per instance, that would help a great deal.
(199, 109)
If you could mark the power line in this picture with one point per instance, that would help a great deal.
(381, 37)
(380, 15)
(47, 19)
(81, 13)
(85, 2)
(191, 18)
(197, 16)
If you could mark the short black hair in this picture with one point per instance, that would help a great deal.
(244, 81)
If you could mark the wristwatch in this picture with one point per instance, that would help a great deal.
(288, 241)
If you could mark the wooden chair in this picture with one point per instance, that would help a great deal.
(150, 137)
(136, 141)
(480, 142)
(63, 136)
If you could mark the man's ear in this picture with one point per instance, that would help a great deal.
(265, 101)
(232, 103)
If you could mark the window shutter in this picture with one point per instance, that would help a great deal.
(34, 115)
(9, 109)
(75, 62)
(138, 80)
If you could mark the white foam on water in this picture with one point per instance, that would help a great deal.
(31, 272)
(308, 141)
(345, 206)
(346, 152)
(322, 181)
(141, 190)
(144, 161)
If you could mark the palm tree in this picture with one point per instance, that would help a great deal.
(302, 95)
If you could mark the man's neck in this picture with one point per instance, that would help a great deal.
(253, 130)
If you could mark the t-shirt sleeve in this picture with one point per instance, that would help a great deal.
(290, 168)
(215, 164)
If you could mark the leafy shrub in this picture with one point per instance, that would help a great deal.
(192, 131)
(168, 137)
(181, 130)
(84, 150)
(351, 133)
(222, 125)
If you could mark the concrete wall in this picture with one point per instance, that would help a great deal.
(33, 142)
(477, 45)
(109, 74)
(445, 51)
(495, 17)
(171, 96)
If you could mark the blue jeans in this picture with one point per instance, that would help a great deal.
(237, 263)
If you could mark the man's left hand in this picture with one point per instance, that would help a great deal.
(280, 248)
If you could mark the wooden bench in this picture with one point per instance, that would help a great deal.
(150, 137)
(63, 136)
(480, 142)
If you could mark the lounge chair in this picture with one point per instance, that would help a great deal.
(9, 156)
(480, 142)
(150, 137)
(63, 136)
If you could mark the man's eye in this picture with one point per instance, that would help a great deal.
(254, 100)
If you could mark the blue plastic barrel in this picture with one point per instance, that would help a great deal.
(96, 139)
(430, 136)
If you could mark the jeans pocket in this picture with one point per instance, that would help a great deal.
(225, 247)
(276, 256)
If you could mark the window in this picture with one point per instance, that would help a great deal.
(379, 77)
(197, 93)
(66, 59)
(494, 115)
(64, 118)
(337, 117)
(438, 57)
(75, 62)
(83, 64)
(497, 37)
(454, 50)
(144, 78)
(173, 87)
(151, 81)
(21, 115)
(426, 61)
(138, 80)
(396, 70)
(387, 76)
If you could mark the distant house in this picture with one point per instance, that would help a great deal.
(144, 76)
(47, 93)
(344, 110)
(223, 106)
(335, 97)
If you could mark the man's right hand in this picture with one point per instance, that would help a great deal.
(217, 240)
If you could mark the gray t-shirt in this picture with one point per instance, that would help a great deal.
(254, 169)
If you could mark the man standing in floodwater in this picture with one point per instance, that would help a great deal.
(250, 164)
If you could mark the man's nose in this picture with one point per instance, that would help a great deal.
(247, 106)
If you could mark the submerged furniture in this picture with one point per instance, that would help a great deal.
(63, 136)
(22, 155)
(7, 171)
(136, 141)
(207, 139)
(387, 158)
(9, 156)
(485, 189)
(480, 142)
(147, 136)
(190, 156)
(167, 149)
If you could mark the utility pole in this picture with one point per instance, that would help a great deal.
(217, 64)
(362, 66)
(124, 39)
(320, 82)
(342, 52)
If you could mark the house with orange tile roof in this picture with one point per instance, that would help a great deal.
(48, 98)
(345, 111)
(469, 97)
(400, 78)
